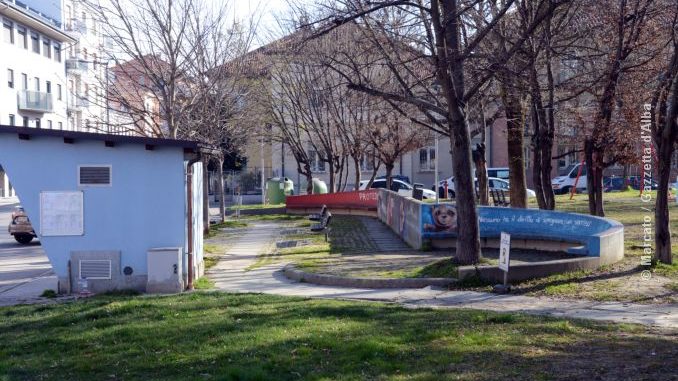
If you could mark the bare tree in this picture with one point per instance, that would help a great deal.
(439, 49)
(662, 114)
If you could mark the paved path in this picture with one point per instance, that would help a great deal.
(25, 271)
(230, 275)
(384, 238)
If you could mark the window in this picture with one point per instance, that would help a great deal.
(566, 160)
(10, 78)
(94, 175)
(37, 123)
(427, 159)
(94, 61)
(58, 92)
(35, 43)
(11, 119)
(317, 165)
(36, 81)
(48, 86)
(23, 37)
(61, 126)
(49, 124)
(57, 53)
(367, 163)
(69, 17)
(25, 121)
(46, 48)
(24, 81)
(8, 31)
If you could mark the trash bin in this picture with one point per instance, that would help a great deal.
(319, 186)
(277, 189)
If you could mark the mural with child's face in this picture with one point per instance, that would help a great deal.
(439, 218)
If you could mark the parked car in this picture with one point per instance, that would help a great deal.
(397, 177)
(501, 173)
(20, 227)
(494, 183)
(398, 186)
(613, 184)
(563, 184)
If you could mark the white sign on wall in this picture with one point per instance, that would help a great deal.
(61, 213)
(504, 249)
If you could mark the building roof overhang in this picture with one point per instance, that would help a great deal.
(20, 15)
(190, 148)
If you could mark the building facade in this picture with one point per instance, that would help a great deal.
(34, 93)
(87, 69)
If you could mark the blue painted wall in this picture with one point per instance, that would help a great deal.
(143, 209)
(528, 223)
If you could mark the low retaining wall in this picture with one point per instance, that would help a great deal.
(294, 273)
(524, 271)
(425, 224)
(355, 203)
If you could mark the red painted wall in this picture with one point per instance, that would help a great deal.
(366, 199)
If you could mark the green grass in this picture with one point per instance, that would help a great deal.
(203, 283)
(229, 224)
(256, 206)
(215, 336)
(444, 268)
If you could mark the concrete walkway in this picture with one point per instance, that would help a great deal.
(230, 275)
(25, 271)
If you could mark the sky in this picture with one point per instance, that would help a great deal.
(266, 11)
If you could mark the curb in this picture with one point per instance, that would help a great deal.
(293, 273)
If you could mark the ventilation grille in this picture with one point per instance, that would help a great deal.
(95, 269)
(94, 175)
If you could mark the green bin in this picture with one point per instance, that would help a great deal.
(319, 186)
(277, 189)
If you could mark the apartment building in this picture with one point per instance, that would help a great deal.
(87, 68)
(34, 92)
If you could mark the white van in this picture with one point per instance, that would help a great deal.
(563, 184)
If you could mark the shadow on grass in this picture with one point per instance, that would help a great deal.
(257, 337)
(575, 277)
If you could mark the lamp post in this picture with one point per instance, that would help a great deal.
(436, 171)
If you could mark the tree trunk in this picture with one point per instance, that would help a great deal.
(546, 168)
(468, 239)
(332, 184)
(662, 237)
(481, 174)
(206, 197)
(356, 162)
(389, 174)
(598, 184)
(220, 188)
(588, 154)
(515, 143)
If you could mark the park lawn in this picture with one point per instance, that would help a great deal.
(218, 336)
(619, 281)
(255, 206)
(315, 252)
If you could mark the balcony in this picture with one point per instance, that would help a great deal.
(35, 101)
(76, 103)
(76, 27)
(76, 65)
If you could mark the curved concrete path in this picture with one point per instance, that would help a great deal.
(230, 275)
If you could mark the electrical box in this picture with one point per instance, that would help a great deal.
(165, 270)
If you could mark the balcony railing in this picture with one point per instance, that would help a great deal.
(73, 64)
(76, 103)
(35, 101)
(76, 26)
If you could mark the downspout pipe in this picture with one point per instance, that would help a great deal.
(189, 218)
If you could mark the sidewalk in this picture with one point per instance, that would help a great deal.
(230, 275)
